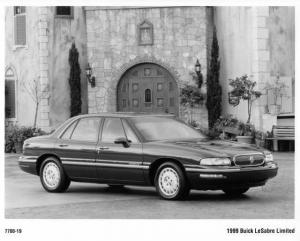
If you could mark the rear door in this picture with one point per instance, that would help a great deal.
(77, 148)
(115, 162)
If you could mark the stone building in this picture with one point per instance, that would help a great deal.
(141, 57)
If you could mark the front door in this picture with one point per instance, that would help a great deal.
(117, 163)
(148, 88)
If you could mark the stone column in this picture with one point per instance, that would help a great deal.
(43, 40)
(260, 63)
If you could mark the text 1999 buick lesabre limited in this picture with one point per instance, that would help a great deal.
(150, 150)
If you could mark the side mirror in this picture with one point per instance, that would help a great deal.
(123, 141)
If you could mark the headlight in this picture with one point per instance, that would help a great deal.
(215, 161)
(269, 156)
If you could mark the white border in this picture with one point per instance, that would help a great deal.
(152, 230)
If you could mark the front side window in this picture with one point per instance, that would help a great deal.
(87, 129)
(129, 133)
(162, 128)
(112, 129)
(20, 25)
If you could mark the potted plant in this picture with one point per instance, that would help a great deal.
(190, 97)
(278, 89)
(260, 138)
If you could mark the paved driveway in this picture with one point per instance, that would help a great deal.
(25, 198)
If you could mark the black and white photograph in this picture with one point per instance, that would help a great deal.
(149, 113)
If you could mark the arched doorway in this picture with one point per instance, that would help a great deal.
(147, 88)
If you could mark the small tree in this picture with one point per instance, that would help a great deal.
(74, 81)
(34, 90)
(190, 96)
(243, 88)
(214, 90)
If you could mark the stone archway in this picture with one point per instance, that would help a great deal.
(147, 87)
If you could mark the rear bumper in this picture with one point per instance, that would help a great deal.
(28, 164)
(218, 179)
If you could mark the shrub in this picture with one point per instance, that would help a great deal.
(74, 81)
(16, 136)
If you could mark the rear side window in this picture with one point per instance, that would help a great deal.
(67, 134)
(112, 129)
(87, 129)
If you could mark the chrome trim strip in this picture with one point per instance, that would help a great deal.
(105, 164)
(245, 169)
(31, 159)
(77, 159)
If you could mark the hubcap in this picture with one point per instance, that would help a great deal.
(51, 175)
(168, 181)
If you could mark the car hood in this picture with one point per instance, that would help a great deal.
(213, 148)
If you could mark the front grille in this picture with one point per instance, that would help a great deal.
(249, 160)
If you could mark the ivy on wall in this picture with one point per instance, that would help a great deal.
(214, 90)
(74, 81)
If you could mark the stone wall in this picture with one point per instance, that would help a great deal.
(24, 61)
(179, 39)
(255, 41)
(45, 58)
(62, 33)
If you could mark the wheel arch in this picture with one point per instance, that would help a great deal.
(156, 164)
(42, 158)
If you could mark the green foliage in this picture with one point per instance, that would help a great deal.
(246, 129)
(190, 96)
(260, 135)
(278, 88)
(16, 135)
(74, 81)
(214, 90)
(243, 88)
(225, 121)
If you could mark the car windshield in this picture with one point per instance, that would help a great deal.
(162, 128)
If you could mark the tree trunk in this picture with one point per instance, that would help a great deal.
(249, 111)
(35, 114)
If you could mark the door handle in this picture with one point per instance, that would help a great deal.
(103, 148)
(63, 145)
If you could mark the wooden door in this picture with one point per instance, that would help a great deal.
(148, 88)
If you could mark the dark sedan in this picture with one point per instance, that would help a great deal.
(134, 149)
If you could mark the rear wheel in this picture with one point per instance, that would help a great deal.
(235, 191)
(170, 182)
(53, 177)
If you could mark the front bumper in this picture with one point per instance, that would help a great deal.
(235, 177)
(28, 164)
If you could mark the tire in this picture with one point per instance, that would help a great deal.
(53, 177)
(170, 182)
(235, 191)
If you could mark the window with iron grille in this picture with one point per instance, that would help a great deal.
(10, 94)
(64, 12)
(20, 25)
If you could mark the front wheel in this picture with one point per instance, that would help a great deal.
(170, 182)
(53, 177)
(235, 191)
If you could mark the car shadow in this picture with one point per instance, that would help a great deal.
(151, 192)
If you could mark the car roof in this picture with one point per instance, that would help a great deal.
(126, 114)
